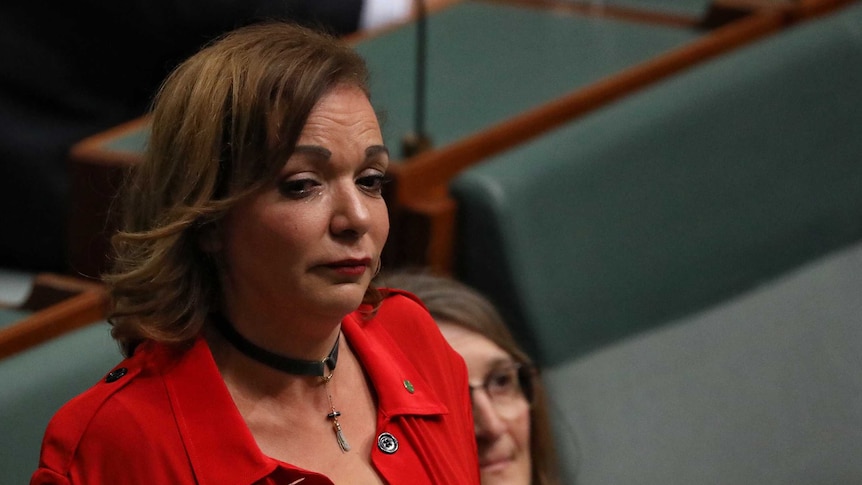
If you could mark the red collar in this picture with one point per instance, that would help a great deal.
(401, 390)
(220, 446)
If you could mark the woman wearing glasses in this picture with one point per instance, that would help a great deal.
(509, 407)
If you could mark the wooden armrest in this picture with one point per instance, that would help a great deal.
(59, 304)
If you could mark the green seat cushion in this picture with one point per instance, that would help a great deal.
(35, 383)
(8, 316)
(763, 389)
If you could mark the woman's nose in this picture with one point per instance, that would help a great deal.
(487, 422)
(351, 216)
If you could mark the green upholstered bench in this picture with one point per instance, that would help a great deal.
(38, 307)
(10, 316)
(675, 198)
(36, 382)
(763, 389)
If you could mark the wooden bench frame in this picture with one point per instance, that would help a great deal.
(59, 304)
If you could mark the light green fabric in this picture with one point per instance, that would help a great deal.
(694, 9)
(764, 389)
(9, 316)
(35, 383)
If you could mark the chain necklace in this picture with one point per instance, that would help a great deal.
(333, 415)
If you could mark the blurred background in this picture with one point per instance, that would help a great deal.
(662, 197)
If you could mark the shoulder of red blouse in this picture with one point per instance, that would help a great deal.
(127, 420)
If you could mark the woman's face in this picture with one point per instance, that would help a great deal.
(309, 243)
(501, 416)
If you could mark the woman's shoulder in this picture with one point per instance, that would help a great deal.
(395, 296)
(108, 414)
(400, 307)
(79, 411)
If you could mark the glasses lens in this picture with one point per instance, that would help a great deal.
(504, 387)
(503, 383)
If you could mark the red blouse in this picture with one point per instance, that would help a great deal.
(169, 419)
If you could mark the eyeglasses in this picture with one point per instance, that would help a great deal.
(508, 385)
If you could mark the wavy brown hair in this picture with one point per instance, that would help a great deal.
(454, 302)
(223, 124)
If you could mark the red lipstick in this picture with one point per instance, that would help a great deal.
(350, 267)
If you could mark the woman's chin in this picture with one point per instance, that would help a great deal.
(504, 472)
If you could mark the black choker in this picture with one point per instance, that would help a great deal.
(279, 362)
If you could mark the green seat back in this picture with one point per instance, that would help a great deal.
(675, 198)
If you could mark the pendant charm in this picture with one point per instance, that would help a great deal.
(333, 416)
(339, 435)
(342, 441)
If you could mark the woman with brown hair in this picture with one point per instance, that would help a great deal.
(509, 404)
(258, 351)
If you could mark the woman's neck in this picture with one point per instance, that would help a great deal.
(249, 378)
(293, 333)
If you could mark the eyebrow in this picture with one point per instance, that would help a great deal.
(316, 150)
(502, 362)
(324, 153)
(376, 150)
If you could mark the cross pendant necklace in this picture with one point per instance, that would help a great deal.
(289, 365)
(333, 415)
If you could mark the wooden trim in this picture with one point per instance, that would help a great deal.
(50, 289)
(92, 149)
(725, 11)
(78, 311)
(440, 252)
(808, 9)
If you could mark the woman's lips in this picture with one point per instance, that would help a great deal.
(350, 267)
(494, 464)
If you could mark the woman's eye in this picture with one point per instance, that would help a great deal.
(297, 189)
(502, 381)
(372, 183)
